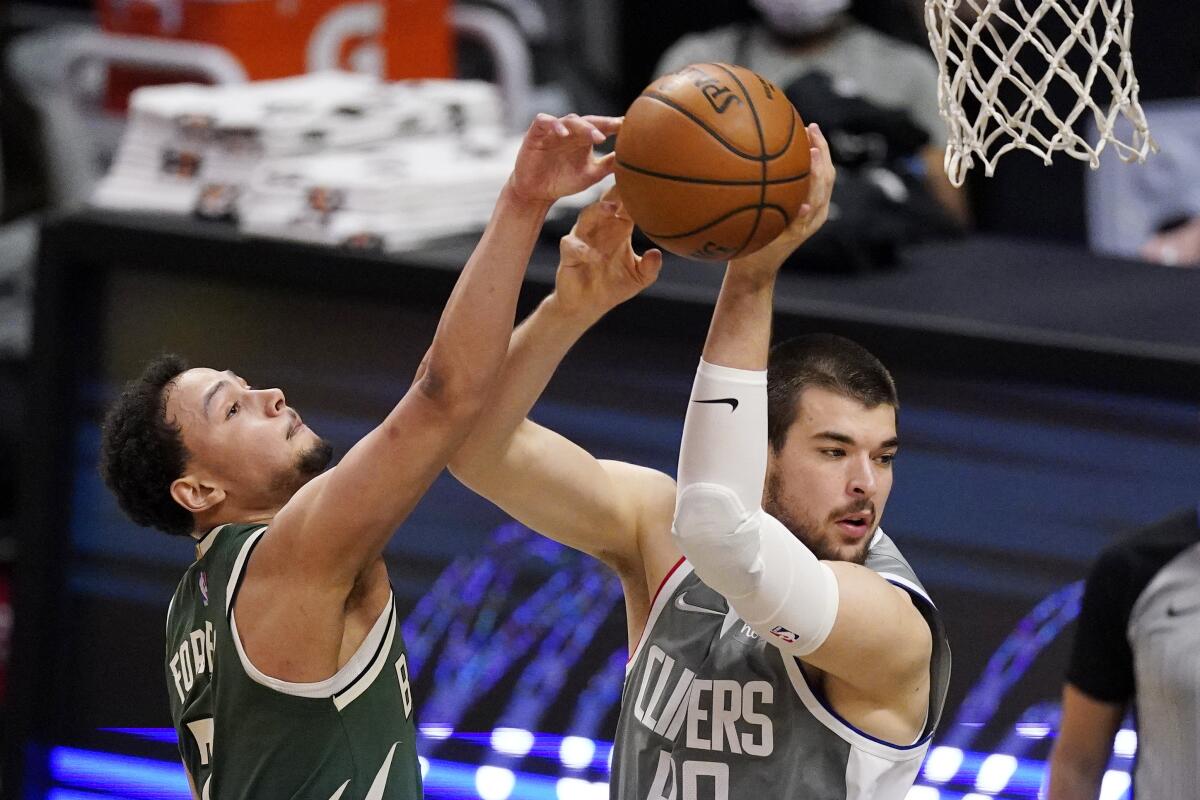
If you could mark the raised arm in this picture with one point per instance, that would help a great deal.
(539, 477)
(840, 617)
(338, 524)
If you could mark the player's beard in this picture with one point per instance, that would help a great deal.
(805, 530)
(308, 465)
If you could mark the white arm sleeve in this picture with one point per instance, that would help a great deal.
(771, 579)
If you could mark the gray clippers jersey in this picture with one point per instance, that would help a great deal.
(710, 711)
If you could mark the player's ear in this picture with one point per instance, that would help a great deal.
(196, 495)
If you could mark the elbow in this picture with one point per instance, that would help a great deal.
(719, 537)
(706, 513)
(451, 395)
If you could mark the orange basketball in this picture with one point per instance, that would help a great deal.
(712, 161)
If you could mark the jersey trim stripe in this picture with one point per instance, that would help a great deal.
(384, 645)
(368, 675)
(673, 578)
(905, 583)
(235, 577)
(206, 541)
(834, 722)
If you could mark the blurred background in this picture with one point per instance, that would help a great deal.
(1041, 325)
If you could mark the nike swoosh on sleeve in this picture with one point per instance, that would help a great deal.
(732, 401)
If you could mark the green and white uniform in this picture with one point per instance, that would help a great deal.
(243, 734)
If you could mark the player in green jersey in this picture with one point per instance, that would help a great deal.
(284, 661)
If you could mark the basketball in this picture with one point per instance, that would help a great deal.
(712, 161)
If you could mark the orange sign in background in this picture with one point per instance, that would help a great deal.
(278, 38)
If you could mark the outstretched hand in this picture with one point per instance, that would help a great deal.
(598, 268)
(556, 158)
(808, 220)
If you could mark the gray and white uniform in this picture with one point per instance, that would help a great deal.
(1138, 641)
(711, 711)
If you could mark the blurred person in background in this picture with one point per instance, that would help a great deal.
(285, 666)
(1177, 245)
(1137, 646)
(1152, 210)
(797, 39)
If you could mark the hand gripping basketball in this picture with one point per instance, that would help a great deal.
(556, 158)
(808, 220)
(598, 268)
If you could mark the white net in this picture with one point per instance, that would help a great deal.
(998, 61)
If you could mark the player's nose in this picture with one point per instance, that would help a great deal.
(861, 480)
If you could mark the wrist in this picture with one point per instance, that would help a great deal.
(571, 317)
(746, 276)
(513, 196)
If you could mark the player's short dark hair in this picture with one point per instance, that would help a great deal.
(826, 361)
(142, 453)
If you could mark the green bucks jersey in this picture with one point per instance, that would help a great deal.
(243, 734)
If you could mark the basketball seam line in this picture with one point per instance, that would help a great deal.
(713, 181)
(711, 132)
(762, 145)
(722, 218)
(791, 130)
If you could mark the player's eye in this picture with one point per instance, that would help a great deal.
(233, 409)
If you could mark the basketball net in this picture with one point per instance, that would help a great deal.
(973, 41)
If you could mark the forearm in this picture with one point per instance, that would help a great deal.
(725, 428)
(1073, 780)
(473, 333)
(740, 333)
(538, 346)
(773, 581)
(1085, 739)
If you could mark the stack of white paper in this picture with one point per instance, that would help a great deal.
(190, 148)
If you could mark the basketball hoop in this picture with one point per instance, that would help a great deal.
(984, 49)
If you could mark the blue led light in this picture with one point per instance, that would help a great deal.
(68, 794)
(164, 735)
(137, 778)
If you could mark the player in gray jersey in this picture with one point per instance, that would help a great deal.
(781, 646)
(285, 666)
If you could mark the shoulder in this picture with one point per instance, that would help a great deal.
(1137, 556)
(718, 44)
(885, 559)
(223, 555)
(898, 53)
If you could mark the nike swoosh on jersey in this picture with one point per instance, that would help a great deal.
(1172, 611)
(684, 605)
(380, 782)
(377, 785)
